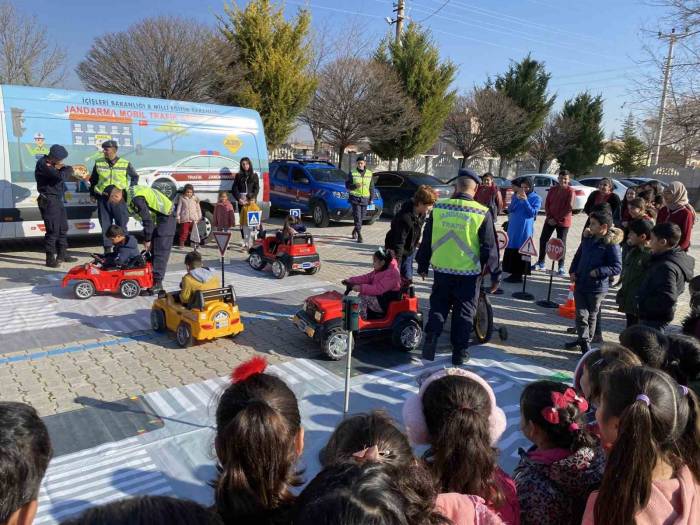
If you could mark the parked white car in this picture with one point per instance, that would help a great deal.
(620, 188)
(544, 182)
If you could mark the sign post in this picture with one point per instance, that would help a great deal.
(222, 240)
(351, 323)
(555, 251)
(254, 218)
(527, 250)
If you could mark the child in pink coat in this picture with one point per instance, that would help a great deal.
(224, 214)
(385, 277)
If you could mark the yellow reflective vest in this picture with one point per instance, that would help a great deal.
(115, 175)
(362, 181)
(455, 236)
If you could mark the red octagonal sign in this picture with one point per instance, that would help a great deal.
(555, 249)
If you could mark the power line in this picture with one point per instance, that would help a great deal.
(434, 12)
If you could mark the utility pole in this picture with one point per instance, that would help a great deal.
(664, 90)
(399, 20)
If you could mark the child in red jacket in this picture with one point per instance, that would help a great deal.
(385, 277)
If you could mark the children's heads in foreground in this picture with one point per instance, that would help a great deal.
(455, 412)
(258, 441)
(193, 260)
(552, 415)
(25, 451)
(651, 423)
(600, 222)
(381, 259)
(639, 232)
(664, 237)
(589, 372)
(147, 510)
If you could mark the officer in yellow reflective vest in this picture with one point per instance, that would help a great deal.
(361, 186)
(157, 214)
(460, 244)
(111, 171)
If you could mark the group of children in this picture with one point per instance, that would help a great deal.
(653, 265)
(622, 447)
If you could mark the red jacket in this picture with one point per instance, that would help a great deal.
(559, 205)
(490, 196)
(685, 219)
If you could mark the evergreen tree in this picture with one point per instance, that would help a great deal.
(631, 155)
(586, 113)
(426, 80)
(272, 59)
(525, 83)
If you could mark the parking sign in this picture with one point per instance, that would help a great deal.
(254, 219)
(295, 212)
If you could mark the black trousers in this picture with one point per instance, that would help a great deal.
(161, 244)
(358, 215)
(53, 213)
(109, 214)
(547, 230)
(460, 293)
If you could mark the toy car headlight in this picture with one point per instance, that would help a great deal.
(318, 315)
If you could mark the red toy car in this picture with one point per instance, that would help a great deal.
(298, 254)
(128, 282)
(321, 319)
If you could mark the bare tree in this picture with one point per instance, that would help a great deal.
(162, 57)
(359, 100)
(554, 138)
(329, 45)
(481, 121)
(26, 55)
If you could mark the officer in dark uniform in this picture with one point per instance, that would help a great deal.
(459, 242)
(157, 214)
(111, 171)
(51, 174)
(360, 184)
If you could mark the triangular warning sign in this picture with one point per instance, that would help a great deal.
(528, 248)
(222, 240)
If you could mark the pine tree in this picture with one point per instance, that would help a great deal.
(426, 80)
(525, 83)
(631, 155)
(586, 113)
(272, 59)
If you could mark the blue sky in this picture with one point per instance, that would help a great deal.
(591, 44)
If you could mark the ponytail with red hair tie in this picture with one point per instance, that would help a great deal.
(254, 366)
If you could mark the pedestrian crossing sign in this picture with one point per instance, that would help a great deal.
(253, 219)
(295, 212)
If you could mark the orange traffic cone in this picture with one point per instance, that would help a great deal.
(568, 309)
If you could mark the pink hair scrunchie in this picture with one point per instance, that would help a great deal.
(414, 419)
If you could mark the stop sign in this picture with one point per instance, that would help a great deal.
(555, 249)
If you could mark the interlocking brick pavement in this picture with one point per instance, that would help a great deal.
(108, 367)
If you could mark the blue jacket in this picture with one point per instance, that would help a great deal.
(601, 254)
(123, 253)
(521, 219)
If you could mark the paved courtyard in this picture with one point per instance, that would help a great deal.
(58, 351)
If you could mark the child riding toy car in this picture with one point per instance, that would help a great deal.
(286, 254)
(94, 277)
(321, 318)
(211, 314)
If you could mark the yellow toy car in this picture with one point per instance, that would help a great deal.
(210, 315)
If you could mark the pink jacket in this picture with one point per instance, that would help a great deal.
(466, 510)
(224, 216)
(188, 210)
(378, 283)
(673, 501)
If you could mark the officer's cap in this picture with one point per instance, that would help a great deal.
(466, 172)
(58, 152)
(359, 158)
(110, 144)
(38, 135)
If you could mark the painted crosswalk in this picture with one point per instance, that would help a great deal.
(177, 459)
(50, 306)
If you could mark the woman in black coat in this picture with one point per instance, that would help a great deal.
(246, 184)
(605, 195)
(404, 235)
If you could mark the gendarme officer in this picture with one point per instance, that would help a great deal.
(459, 242)
(111, 171)
(156, 213)
(361, 187)
(51, 174)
